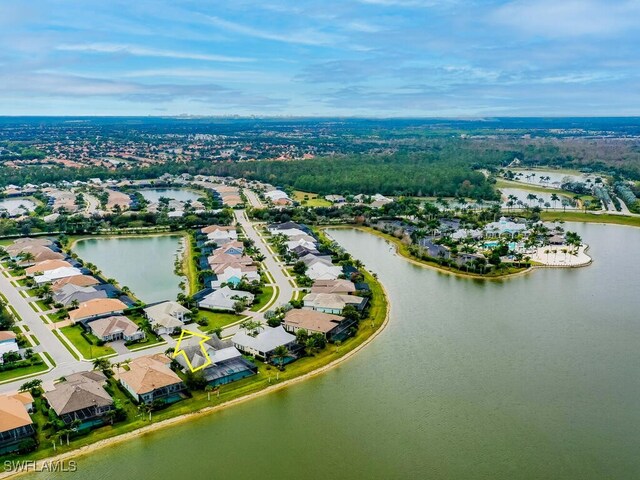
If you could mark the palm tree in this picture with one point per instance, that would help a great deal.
(531, 197)
(554, 198)
(110, 415)
(280, 353)
(208, 389)
(101, 364)
(26, 257)
(145, 408)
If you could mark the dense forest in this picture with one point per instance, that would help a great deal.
(427, 174)
(411, 157)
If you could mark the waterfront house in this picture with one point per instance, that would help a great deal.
(227, 363)
(234, 248)
(26, 244)
(150, 379)
(333, 302)
(323, 271)
(221, 258)
(341, 286)
(81, 396)
(225, 299)
(264, 343)
(220, 234)
(78, 280)
(116, 327)
(39, 253)
(69, 293)
(301, 251)
(166, 317)
(96, 308)
(8, 344)
(310, 259)
(332, 327)
(433, 249)
(233, 275)
(16, 426)
(47, 265)
(56, 274)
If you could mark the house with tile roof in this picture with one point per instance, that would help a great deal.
(116, 327)
(227, 363)
(150, 379)
(96, 308)
(332, 302)
(16, 426)
(81, 396)
(166, 317)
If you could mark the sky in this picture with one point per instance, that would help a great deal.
(371, 58)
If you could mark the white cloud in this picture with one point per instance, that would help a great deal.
(138, 51)
(568, 18)
(303, 37)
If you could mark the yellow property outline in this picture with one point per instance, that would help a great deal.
(179, 351)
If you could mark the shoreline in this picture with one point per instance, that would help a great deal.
(471, 276)
(82, 238)
(87, 449)
(419, 263)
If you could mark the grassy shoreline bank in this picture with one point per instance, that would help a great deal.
(603, 218)
(230, 395)
(403, 251)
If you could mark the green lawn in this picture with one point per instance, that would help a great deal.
(20, 372)
(59, 336)
(591, 218)
(310, 199)
(74, 334)
(217, 319)
(44, 306)
(22, 282)
(247, 386)
(263, 298)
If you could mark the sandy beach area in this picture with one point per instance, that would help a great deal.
(561, 256)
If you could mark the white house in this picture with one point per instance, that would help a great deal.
(165, 317)
(264, 343)
(8, 344)
(275, 195)
(56, 274)
(323, 271)
(234, 274)
(224, 299)
(220, 237)
(332, 302)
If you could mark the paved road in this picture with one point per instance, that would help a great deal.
(93, 204)
(253, 198)
(30, 318)
(286, 290)
(66, 364)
